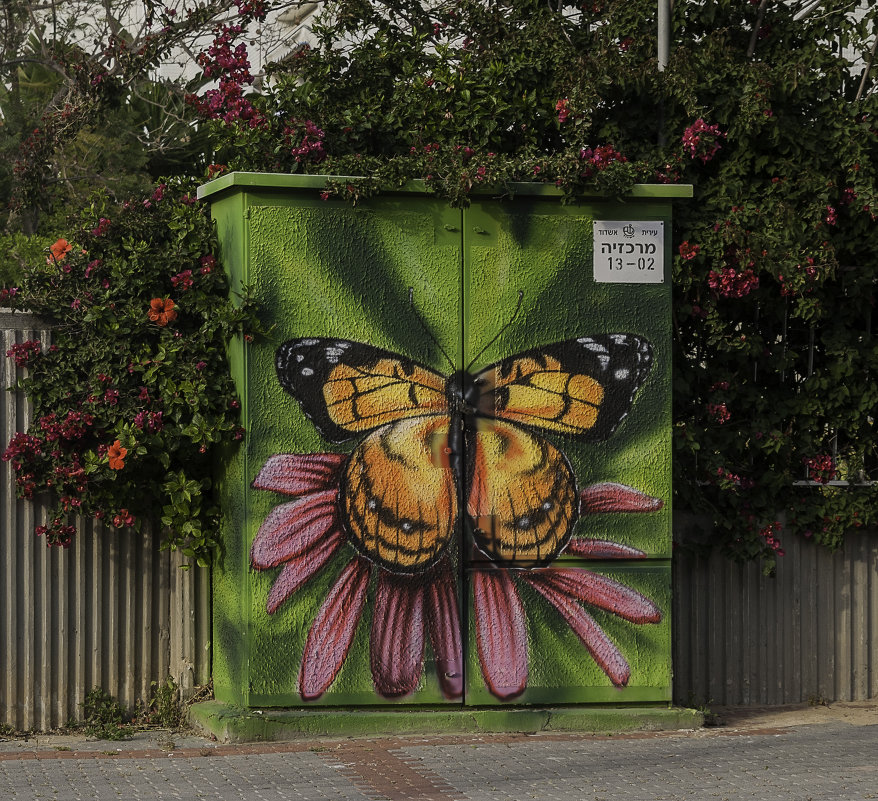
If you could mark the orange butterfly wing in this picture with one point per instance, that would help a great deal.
(523, 498)
(583, 387)
(398, 496)
(522, 501)
(347, 388)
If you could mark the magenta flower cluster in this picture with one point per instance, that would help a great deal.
(730, 480)
(768, 534)
(22, 352)
(599, 158)
(182, 281)
(149, 421)
(563, 109)
(702, 141)
(821, 468)
(101, 228)
(74, 426)
(57, 533)
(719, 412)
(732, 283)
(688, 252)
(22, 448)
(231, 64)
(305, 141)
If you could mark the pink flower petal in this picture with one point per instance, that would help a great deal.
(333, 630)
(601, 549)
(602, 649)
(443, 619)
(501, 633)
(292, 528)
(299, 474)
(609, 497)
(602, 592)
(397, 644)
(300, 568)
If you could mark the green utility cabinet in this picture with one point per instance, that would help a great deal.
(455, 484)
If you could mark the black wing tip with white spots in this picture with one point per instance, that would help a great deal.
(303, 366)
(621, 362)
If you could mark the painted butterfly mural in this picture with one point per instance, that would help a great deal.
(435, 453)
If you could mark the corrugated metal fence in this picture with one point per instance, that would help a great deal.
(112, 611)
(115, 612)
(808, 634)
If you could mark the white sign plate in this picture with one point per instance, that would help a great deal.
(629, 252)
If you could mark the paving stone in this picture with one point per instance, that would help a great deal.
(827, 762)
(833, 762)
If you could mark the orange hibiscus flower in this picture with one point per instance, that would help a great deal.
(59, 251)
(161, 311)
(117, 455)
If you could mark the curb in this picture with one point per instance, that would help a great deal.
(230, 724)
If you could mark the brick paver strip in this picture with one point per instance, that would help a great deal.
(375, 769)
(388, 743)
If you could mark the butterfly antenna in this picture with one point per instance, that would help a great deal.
(500, 332)
(427, 331)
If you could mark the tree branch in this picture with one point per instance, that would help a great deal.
(757, 26)
(867, 68)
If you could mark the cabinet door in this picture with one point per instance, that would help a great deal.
(572, 462)
(352, 514)
(401, 546)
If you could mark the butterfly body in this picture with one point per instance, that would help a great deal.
(437, 451)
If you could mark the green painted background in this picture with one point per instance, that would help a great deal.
(324, 268)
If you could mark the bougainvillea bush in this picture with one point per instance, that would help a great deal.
(767, 108)
(769, 113)
(134, 391)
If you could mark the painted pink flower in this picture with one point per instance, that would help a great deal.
(500, 619)
(302, 535)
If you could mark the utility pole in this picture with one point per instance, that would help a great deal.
(663, 53)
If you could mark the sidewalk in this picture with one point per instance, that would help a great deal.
(819, 753)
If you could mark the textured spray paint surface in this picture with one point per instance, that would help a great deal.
(325, 271)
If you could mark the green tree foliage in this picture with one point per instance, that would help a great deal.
(766, 109)
(133, 397)
(82, 106)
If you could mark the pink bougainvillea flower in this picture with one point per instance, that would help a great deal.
(688, 251)
(301, 536)
(500, 619)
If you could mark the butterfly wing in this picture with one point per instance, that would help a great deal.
(522, 499)
(346, 388)
(399, 495)
(583, 387)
